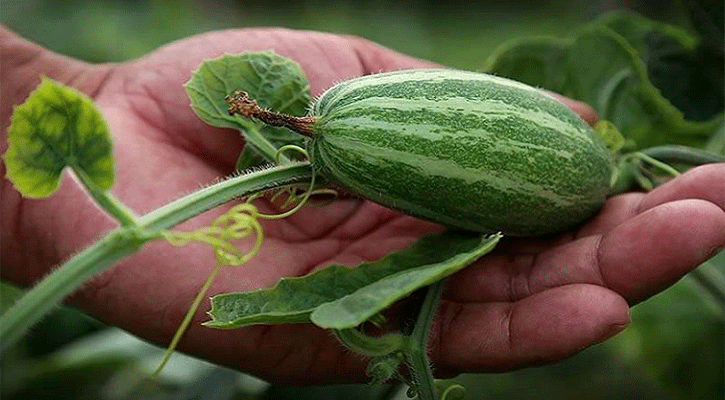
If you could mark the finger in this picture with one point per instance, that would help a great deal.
(542, 328)
(614, 211)
(705, 182)
(658, 247)
(637, 258)
(582, 109)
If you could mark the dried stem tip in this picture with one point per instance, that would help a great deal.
(240, 103)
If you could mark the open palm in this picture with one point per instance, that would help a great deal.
(531, 301)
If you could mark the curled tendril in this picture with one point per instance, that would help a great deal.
(241, 221)
(290, 147)
(303, 199)
(295, 196)
(238, 223)
(453, 392)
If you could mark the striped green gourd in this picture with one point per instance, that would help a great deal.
(464, 149)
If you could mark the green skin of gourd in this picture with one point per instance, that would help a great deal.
(464, 149)
(467, 150)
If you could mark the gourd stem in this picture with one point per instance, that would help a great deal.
(416, 354)
(240, 103)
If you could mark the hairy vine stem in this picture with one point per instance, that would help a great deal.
(126, 240)
(416, 350)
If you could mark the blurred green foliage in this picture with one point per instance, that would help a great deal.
(674, 348)
(456, 33)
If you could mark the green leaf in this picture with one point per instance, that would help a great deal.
(638, 31)
(611, 64)
(688, 74)
(293, 300)
(354, 309)
(536, 61)
(57, 127)
(276, 82)
(610, 76)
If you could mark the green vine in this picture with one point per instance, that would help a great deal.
(389, 351)
(644, 169)
(416, 349)
(124, 241)
(648, 168)
(238, 223)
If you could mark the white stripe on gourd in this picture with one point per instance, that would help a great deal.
(468, 150)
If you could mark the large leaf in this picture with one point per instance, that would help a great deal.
(609, 75)
(294, 300)
(537, 61)
(57, 127)
(276, 82)
(357, 307)
(610, 65)
(687, 73)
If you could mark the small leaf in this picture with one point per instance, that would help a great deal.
(293, 300)
(382, 369)
(57, 127)
(355, 308)
(275, 82)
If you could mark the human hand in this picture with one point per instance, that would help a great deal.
(531, 301)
